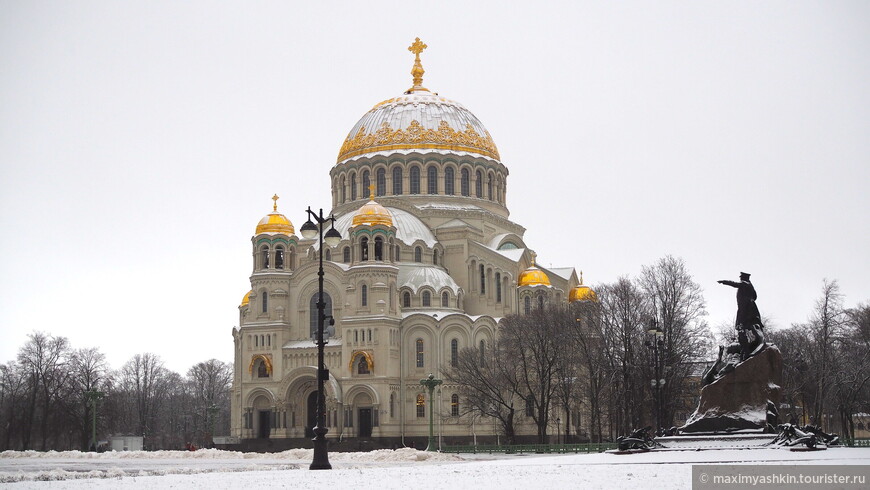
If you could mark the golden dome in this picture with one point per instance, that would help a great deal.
(372, 213)
(247, 299)
(275, 222)
(418, 120)
(582, 293)
(533, 277)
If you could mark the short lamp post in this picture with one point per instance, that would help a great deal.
(92, 397)
(655, 344)
(310, 230)
(559, 429)
(212, 411)
(431, 382)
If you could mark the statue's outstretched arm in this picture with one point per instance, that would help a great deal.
(729, 283)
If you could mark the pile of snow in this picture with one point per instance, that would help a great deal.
(382, 455)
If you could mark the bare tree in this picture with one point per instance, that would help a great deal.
(90, 373)
(146, 384)
(209, 384)
(535, 344)
(44, 358)
(624, 313)
(489, 384)
(678, 308)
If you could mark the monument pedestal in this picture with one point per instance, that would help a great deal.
(739, 400)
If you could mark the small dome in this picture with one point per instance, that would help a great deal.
(247, 299)
(582, 293)
(372, 213)
(533, 277)
(275, 222)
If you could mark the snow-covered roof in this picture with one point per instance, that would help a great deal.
(437, 314)
(449, 206)
(416, 276)
(308, 344)
(563, 272)
(409, 228)
(454, 223)
(513, 254)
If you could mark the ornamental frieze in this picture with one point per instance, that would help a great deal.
(415, 136)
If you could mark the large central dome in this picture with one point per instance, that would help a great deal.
(418, 120)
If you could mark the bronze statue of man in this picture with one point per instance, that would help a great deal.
(747, 310)
(750, 330)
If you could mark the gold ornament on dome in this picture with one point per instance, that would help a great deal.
(415, 136)
(533, 276)
(417, 71)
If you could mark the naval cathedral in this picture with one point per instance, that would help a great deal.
(427, 265)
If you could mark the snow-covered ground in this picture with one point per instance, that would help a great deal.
(403, 468)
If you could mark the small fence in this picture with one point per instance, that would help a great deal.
(856, 442)
(532, 448)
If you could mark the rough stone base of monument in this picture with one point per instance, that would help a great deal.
(740, 399)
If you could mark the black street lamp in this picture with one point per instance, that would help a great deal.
(656, 345)
(310, 230)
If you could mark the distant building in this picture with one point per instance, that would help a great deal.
(428, 264)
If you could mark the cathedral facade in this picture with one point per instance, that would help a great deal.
(428, 264)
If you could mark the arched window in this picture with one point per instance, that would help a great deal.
(279, 257)
(382, 182)
(489, 187)
(362, 366)
(540, 301)
(256, 340)
(398, 253)
(262, 370)
(366, 183)
(432, 180)
(482, 280)
(312, 313)
(427, 298)
(454, 405)
(419, 352)
(392, 405)
(353, 187)
(478, 184)
(482, 352)
(415, 180)
(454, 352)
(498, 287)
(397, 181)
(343, 189)
(392, 294)
(527, 305)
(264, 252)
(435, 257)
(345, 255)
(445, 299)
(364, 294)
(463, 185)
(530, 406)
(364, 249)
(421, 405)
(379, 248)
(406, 300)
(448, 181)
(418, 254)
(265, 301)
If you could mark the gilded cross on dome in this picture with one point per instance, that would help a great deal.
(275, 202)
(417, 72)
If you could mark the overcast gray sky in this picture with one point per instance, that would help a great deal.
(140, 143)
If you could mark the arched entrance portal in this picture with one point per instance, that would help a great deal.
(311, 415)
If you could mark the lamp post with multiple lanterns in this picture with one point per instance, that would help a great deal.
(431, 382)
(310, 230)
(655, 343)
